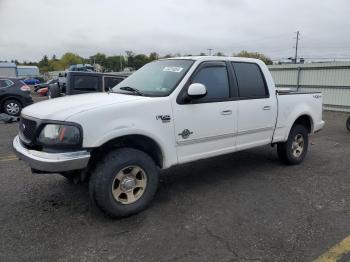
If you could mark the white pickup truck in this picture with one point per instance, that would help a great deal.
(170, 112)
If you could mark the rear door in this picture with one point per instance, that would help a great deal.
(257, 108)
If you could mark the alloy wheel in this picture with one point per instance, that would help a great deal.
(129, 184)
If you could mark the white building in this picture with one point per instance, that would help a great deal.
(27, 71)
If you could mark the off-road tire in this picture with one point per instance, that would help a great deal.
(285, 150)
(105, 172)
(54, 91)
(348, 124)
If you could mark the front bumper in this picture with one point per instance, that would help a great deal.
(51, 162)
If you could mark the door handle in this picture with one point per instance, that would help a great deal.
(267, 108)
(226, 112)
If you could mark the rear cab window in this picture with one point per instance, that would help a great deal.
(85, 83)
(250, 80)
(110, 82)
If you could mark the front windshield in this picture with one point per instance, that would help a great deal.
(158, 78)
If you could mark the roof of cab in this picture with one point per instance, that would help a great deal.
(216, 58)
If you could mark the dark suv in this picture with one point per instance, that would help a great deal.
(14, 95)
(76, 82)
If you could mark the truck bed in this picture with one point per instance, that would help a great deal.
(293, 104)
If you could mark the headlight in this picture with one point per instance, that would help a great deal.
(53, 134)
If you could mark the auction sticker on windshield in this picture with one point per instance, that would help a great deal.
(173, 69)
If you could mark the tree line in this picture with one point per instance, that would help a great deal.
(118, 63)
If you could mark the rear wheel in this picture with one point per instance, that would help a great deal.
(53, 92)
(12, 107)
(294, 150)
(348, 124)
(124, 183)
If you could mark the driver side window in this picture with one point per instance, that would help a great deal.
(216, 81)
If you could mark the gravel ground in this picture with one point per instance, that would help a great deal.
(245, 206)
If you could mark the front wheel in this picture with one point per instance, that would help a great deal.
(124, 183)
(348, 124)
(293, 151)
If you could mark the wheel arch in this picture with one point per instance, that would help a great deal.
(304, 120)
(137, 141)
(11, 97)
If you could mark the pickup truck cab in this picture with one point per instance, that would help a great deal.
(170, 112)
(79, 82)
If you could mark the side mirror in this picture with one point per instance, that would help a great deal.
(197, 90)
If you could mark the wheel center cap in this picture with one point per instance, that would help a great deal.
(127, 183)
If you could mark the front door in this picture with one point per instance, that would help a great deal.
(205, 127)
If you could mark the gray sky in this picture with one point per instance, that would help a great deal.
(32, 28)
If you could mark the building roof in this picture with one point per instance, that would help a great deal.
(27, 67)
(7, 64)
(344, 64)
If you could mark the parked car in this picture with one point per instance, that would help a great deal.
(170, 112)
(46, 84)
(43, 91)
(14, 95)
(31, 81)
(76, 82)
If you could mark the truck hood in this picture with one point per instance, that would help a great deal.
(64, 107)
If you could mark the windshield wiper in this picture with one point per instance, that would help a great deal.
(131, 89)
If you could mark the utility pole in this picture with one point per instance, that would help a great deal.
(296, 47)
(121, 63)
(209, 51)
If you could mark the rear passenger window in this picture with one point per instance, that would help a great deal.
(8, 82)
(86, 83)
(5, 83)
(215, 80)
(111, 82)
(2, 83)
(250, 80)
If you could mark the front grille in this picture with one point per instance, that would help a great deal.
(27, 129)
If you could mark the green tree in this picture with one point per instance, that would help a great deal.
(256, 55)
(44, 61)
(99, 58)
(140, 60)
(69, 59)
(43, 64)
(130, 58)
(114, 63)
(220, 54)
(153, 56)
(55, 65)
